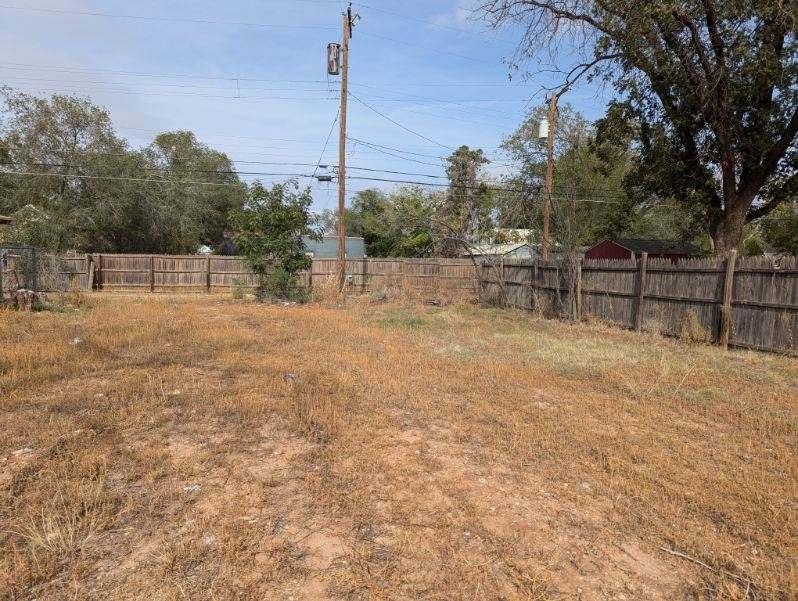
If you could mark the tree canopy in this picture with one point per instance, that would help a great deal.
(73, 183)
(709, 88)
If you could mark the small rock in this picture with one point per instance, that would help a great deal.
(290, 377)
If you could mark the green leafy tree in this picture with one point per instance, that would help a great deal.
(188, 213)
(392, 225)
(60, 158)
(269, 232)
(711, 86)
(464, 216)
(777, 232)
(589, 202)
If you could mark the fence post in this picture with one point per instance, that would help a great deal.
(365, 274)
(578, 291)
(208, 275)
(99, 275)
(641, 290)
(726, 309)
(89, 272)
(152, 273)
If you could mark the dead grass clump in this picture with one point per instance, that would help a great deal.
(655, 327)
(325, 291)
(58, 517)
(692, 331)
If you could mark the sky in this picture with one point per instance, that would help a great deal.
(249, 78)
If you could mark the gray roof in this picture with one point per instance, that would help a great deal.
(657, 247)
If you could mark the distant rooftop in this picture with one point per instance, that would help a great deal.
(657, 247)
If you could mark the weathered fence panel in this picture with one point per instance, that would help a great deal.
(663, 296)
(194, 273)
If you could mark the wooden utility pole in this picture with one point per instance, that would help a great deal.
(347, 34)
(552, 118)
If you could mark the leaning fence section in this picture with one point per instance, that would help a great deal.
(748, 302)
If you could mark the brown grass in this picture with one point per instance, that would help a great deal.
(194, 447)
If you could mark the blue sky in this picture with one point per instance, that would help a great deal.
(249, 78)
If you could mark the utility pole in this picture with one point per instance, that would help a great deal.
(552, 119)
(347, 34)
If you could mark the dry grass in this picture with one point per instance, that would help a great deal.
(195, 447)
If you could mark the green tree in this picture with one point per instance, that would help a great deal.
(269, 232)
(464, 216)
(60, 158)
(589, 202)
(712, 86)
(392, 225)
(777, 232)
(188, 213)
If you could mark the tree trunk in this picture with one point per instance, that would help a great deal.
(728, 232)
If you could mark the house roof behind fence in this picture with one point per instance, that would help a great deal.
(657, 247)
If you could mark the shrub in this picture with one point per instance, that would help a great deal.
(269, 230)
(238, 289)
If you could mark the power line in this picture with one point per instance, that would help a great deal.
(327, 141)
(86, 13)
(78, 90)
(427, 21)
(67, 69)
(302, 175)
(407, 129)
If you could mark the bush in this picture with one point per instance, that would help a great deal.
(280, 284)
(269, 231)
(238, 289)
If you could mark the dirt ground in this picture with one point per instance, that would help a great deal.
(195, 447)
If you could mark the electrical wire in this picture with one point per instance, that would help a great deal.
(327, 141)
(86, 13)
(407, 129)
(301, 175)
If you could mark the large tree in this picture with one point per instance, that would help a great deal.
(713, 85)
(199, 189)
(73, 183)
(464, 215)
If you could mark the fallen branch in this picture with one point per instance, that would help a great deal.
(737, 577)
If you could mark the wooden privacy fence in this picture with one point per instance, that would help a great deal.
(747, 302)
(192, 273)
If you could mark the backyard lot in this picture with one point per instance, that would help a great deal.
(175, 447)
